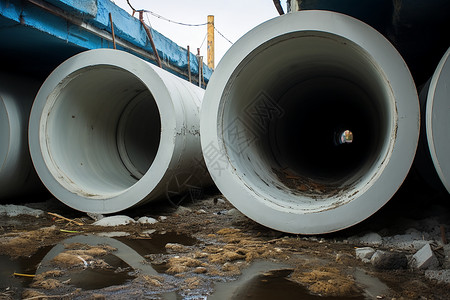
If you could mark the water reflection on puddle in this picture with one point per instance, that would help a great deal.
(23, 265)
(261, 280)
(122, 262)
(267, 280)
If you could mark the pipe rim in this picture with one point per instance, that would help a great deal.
(372, 194)
(437, 119)
(5, 133)
(56, 181)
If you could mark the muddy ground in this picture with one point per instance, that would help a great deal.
(197, 249)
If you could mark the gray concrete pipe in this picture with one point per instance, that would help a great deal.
(434, 150)
(17, 175)
(276, 113)
(109, 131)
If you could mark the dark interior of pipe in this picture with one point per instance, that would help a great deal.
(290, 101)
(307, 136)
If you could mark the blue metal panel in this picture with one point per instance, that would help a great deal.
(85, 8)
(38, 39)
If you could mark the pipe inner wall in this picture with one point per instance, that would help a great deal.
(107, 121)
(315, 122)
(108, 131)
(17, 175)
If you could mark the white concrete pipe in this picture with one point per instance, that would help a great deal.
(310, 122)
(17, 175)
(435, 97)
(109, 131)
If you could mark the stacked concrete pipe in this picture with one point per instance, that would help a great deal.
(109, 131)
(434, 150)
(277, 112)
(17, 175)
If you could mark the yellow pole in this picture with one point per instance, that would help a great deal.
(210, 50)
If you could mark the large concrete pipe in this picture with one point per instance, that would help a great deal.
(109, 131)
(17, 175)
(310, 122)
(435, 136)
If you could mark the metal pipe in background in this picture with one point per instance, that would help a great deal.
(17, 175)
(310, 122)
(434, 150)
(109, 131)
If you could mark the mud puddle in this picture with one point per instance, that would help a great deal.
(269, 280)
(88, 262)
(22, 265)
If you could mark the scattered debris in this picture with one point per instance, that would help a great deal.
(388, 260)
(95, 217)
(23, 275)
(182, 210)
(226, 245)
(424, 259)
(114, 221)
(371, 239)
(11, 210)
(365, 253)
(147, 220)
(66, 219)
(176, 248)
(442, 276)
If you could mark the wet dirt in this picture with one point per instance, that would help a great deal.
(307, 186)
(206, 250)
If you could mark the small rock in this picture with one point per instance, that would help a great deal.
(162, 218)
(201, 211)
(385, 260)
(424, 259)
(114, 221)
(147, 220)
(372, 238)
(11, 210)
(364, 253)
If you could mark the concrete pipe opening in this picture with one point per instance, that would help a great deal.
(435, 97)
(17, 175)
(313, 121)
(107, 130)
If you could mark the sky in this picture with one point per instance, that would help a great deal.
(232, 18)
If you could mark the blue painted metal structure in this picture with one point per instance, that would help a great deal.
(36, 36)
